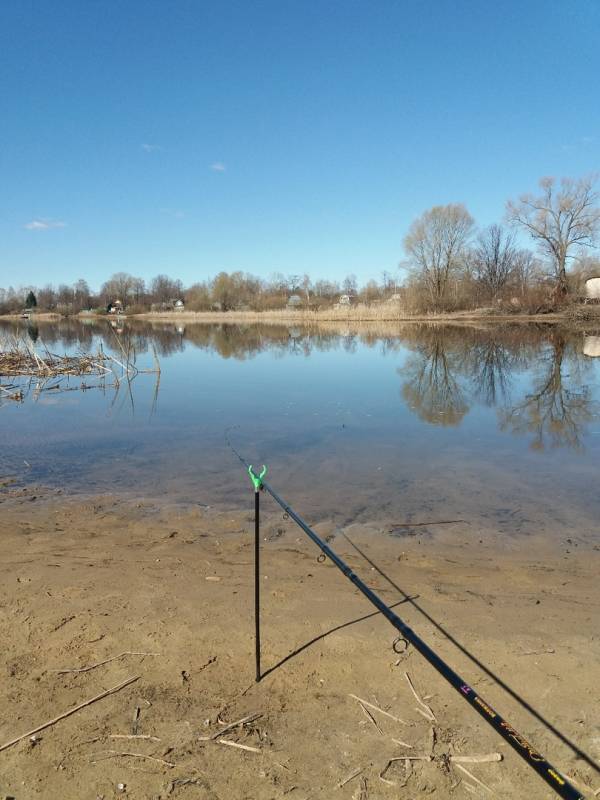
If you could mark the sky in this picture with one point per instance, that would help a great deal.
(294, 136)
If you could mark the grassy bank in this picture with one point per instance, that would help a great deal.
(358, 314)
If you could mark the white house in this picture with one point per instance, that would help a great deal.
(592, 289)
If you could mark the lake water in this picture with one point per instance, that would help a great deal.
(497, 426)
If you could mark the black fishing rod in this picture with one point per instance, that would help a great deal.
(527, 751)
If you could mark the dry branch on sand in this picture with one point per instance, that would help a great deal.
(68, 713)
(106, 661)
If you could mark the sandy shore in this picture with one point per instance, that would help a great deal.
(86, 579)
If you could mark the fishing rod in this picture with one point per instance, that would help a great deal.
(527, 751)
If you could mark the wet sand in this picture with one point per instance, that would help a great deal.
(85, 579)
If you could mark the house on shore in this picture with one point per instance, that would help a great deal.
(116, 307)
(592, 289)
(171, 305)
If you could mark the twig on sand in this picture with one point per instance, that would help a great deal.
(473, 778)
(240, 746)
(68, 713)
(119, 754)
(485, 759)
(404, 744)
(134, 736)
(370, 717)
(376, 708)
(182, 782)
(407, 763)
(424, 710)
(135, 722)
(424, 524)
(106, 661)
(227, 728)
(350, 777)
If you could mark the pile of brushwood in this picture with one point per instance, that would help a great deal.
(25, 370)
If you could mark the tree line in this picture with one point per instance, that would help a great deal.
(449, 264)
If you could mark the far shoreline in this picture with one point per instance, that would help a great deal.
(345, 316)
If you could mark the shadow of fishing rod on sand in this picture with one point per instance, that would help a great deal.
(522, 702)
(324, 635)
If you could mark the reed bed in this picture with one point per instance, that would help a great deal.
(360, 313)
(33, 371)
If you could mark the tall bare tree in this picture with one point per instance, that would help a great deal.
(561, 219)
(435, 245)
(494, 259)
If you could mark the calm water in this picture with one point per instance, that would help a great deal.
(498, 426)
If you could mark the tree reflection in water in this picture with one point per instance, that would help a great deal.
(451, 368)
(432, 388)
(561, 404)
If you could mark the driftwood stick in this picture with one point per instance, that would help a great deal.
(350, 777)
(227, 728)
(240, 746)
(407, 764)
(473, 778)
(427, 712)
(376, 708)
(485, 759)
(134, 736)
(119, 754)
(68, 713)
(423, 524)
(106, 661)
(370, 717)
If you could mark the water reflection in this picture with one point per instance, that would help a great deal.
(539, 379)
(451, 368)
(433, 387)
(556, 412)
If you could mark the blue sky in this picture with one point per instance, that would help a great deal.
(190, 137)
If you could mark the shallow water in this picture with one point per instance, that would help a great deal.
(496, 426)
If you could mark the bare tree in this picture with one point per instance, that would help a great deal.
(163, 289)
(117, 287)
(494, 259)
(81, 294)
(350, 284)
(561, 219)
(435, 245)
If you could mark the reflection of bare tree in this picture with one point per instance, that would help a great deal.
(490, 364)
(431, 387)
(560, 405)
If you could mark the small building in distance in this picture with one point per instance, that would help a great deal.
(171, 305)
(294, 301)
(116, 307)
(345, 300)
(592, 289)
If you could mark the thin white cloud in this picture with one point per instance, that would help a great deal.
(173, 212)
(150, 148)
(218, 166)
(44, 224)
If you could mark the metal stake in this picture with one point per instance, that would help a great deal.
(257, 582)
